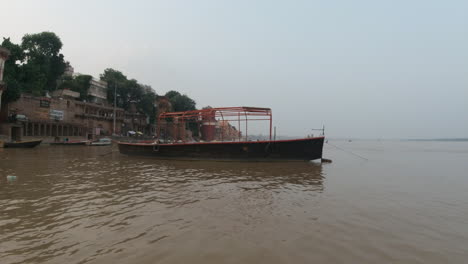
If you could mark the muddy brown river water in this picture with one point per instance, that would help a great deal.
(408, 203)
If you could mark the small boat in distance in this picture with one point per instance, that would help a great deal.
(71, 143)
(217, 139)
(23, 144)
(102, 142)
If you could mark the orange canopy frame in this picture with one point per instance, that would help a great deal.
(242, 113)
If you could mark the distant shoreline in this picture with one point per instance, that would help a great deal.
(402, 139)
(440, 139)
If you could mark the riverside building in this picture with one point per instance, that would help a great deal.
(59, 115)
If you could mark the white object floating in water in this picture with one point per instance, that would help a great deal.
(11, 178)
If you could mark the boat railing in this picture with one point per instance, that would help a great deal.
(321, 131)
(225, 124)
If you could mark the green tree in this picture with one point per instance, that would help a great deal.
(12, 72)
(115, 80)
(180, 102)
(34, 78)
(134, 92)
(46, 43)
(44, 64)
(172, 94)
(128, 91)
(147, 105)
(80, 84)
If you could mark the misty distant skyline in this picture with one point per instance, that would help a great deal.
(364, 69)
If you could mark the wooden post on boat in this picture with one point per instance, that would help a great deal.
(239, 126)
(246, 135)
(271, 122)
(114, 111)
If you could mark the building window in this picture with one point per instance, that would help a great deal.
(44, 103)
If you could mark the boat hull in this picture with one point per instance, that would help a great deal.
(72, 143)
(23, 144)
(100, 144)
(286, 150)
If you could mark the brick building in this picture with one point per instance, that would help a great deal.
(59, 116)
(136, 121)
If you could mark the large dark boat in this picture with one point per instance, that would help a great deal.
(219, 140)
(23, 144)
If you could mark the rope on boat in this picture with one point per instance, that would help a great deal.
(347, 151)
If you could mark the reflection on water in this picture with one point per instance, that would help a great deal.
(267, 175)
(79, 203)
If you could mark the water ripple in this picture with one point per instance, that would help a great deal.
(63, 206)
(77, 205)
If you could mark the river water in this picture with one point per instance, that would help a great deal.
(407, 202)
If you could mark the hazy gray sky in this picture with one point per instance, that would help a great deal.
(368, 69)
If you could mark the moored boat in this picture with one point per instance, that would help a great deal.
(102, 142)
(23, 144)
(287, 150)
(232, 144)
(71, 143)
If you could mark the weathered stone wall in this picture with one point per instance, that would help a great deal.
(39, 109)
(52, 117)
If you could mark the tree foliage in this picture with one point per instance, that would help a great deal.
(180, 102)
(130, 91)
(46, 43)
(115, 80)
(80, 84)
(44, 62)
(34, 66)
(147, 105)
(12, 71)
